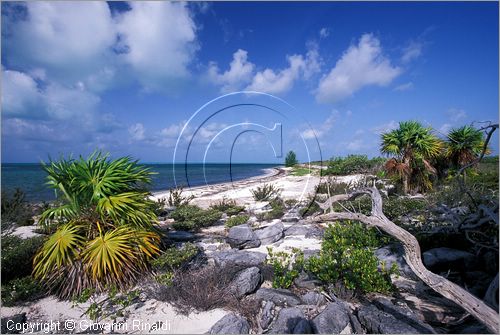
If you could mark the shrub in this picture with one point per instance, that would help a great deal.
(105, 225)
(174, 258)
(176, 199)
(190, 217)
(17, 256)
(290, 159)
(21, 290)
(395, 207)
(276, 212)
(159, 206)
(227, 206)
(265, 192)
(15, 209)
(300, 171)
(236, 220)
(289, 203)
(286, 266)
(354, 164)
(346, 255)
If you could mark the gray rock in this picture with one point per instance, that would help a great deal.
(270, 234)
(439, 257)
(391, 254)
(307, 230)
(290, 321)
(403, 313)
(181, 236)
(267, 314)
(304, 281)
(238, 258)
(10, 324)
(280, 297)
(242, 237)
(302, 327)
(380, 322)
(246, 281)
(231, 324)
(332, 320)
(313, 298)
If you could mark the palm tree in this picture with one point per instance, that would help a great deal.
(412, 146)
(464, 145)
(105, 225)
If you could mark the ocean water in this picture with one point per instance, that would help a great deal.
(31, 178)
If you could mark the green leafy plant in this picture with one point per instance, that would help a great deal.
(346, 255)
(276, 212)
(412, 147)
(286, 266)
(353, 164)
(108, 307)
(291, 159)
(21, 290)
(15, 209)
(265, 192)
(190, 217)
(173, 258)
(176, 199)
(105, 225)
(236, 220)
(227, 206)
(464, 145)
(17, 256)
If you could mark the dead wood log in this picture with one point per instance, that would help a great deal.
(443, 286)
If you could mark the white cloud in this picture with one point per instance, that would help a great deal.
(240, 72)
(404, 87)
(276, 82)
(456, 114)
(67, 39)
(20, 94)
(324, 32)
(323, 129)
(360, 65)
(356, 145)
(159, 40)
(383, 128)
(412, 51)
(136, 131)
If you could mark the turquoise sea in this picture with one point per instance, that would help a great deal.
(31, 178)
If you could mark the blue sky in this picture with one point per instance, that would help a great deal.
(127, 77)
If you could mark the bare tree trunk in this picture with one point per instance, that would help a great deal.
(457, 294)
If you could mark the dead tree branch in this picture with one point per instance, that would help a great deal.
(443, 286)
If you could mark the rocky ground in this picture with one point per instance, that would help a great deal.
(309, 307)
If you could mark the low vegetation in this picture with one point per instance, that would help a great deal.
(265, 192)
(347, 255)
(277, 210)
(189, 217)
(176, 199)
(227, 206)
(354, 164)
(236, 220)
(286, 266)
(15, 209)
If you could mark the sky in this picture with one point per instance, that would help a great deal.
(159, 81)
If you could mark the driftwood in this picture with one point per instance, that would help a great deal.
(443, 286)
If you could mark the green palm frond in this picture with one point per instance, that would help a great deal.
(464, 145)
(61, 249)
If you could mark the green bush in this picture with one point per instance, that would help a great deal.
(190, 217)
(21, 290)
(395, 207)
(176, 199)
(265, 192)
(236, 220)
(354, 164)
(227, 206)
(173, 258)
(15, 209)
(17, 256)
(291, 159)
(346, 255)
(276, 212)
(286, 266)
